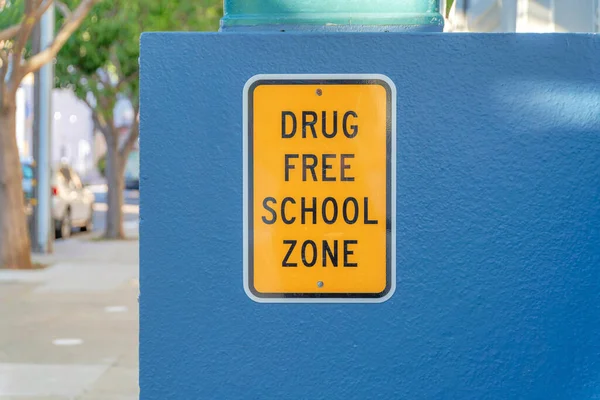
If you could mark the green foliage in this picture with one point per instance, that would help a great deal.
(11, 13)
(104, 39)
(105, 49)
(448, 7)
(185, 15)
(102, 165)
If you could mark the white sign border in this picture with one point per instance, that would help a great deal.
(247, 87)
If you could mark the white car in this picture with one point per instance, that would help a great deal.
(72, 204)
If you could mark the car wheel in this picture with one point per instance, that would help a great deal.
(89, 224)
(65, 227)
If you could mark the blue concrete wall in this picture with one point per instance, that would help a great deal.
(498, 224)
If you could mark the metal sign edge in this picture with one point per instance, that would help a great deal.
(245, 117)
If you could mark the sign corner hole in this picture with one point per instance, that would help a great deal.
(319, 92)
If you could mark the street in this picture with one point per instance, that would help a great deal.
(70, 330)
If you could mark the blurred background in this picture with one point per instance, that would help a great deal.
(540, 16)
(69, 191)
(69, 114)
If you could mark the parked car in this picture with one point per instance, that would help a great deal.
(72, 204)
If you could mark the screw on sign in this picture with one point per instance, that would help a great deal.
(319, 188)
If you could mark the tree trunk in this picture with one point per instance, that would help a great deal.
(15, 251)
(115, 177)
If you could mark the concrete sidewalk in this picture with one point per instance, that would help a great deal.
(70, 331)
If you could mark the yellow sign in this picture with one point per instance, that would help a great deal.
(319, 187)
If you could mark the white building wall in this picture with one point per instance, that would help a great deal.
(73, 140)
(535, 16)
(575, 15)
(25, 117)
(539, 16)
(72, 131)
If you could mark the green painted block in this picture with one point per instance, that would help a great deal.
(332, 12)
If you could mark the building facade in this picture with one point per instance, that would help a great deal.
(74, 139)
(535, 16)
(72, 132)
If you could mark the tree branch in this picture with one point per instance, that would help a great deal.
(101, 127)
(105, 82)
(69, 27)
(3, 71)
(98, 120)
(4, 68)
(103, 97)
(127, 79)
(9, 32)
(114, 58)
(89, 106)
(134, 133)
(131, 140)
(43, 7)
(33, 13)
(62, 7)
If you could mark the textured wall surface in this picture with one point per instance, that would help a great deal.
(498, 224)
